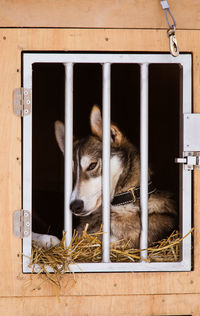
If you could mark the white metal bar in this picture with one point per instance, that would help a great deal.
(144, 158)
(123, 267)
(27, 164)
(68, 150)
(106, 163)
(108, 58)
(186, 176)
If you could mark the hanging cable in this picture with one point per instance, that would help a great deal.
(173, 46)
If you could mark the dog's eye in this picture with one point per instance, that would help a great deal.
(92, 166)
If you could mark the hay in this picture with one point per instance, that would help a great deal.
(87, 248)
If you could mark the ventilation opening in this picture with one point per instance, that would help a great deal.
(48, 106)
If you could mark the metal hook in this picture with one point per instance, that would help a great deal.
(173, 46)
(172, 28)
(171, 31)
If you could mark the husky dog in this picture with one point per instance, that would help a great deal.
(86, 197)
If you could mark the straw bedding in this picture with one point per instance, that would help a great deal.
(88, 248)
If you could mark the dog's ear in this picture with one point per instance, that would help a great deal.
(60, 135)
(96, 121)
(116, 135)
(96, 127)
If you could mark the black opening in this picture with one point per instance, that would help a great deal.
(47, 179)
(48, 106)
(164, 112)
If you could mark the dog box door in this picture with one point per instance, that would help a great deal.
(61, 66)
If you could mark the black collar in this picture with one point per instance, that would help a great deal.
(131, 195)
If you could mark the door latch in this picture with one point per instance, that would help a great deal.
(190, 160)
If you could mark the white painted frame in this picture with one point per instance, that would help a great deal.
(185, 62)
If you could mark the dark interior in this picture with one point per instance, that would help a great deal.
(48, 106)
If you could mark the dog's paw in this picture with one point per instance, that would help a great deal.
(44, 241)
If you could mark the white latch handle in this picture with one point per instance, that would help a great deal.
(190, 161)
(180, 160)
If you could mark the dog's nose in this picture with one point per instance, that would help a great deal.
(77, 206)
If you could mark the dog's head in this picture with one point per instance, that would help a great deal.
(86, 196)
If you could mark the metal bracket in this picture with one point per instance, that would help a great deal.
(22, 223)
(190, 160)
(22, 101)
(191, 141)
(191, 132)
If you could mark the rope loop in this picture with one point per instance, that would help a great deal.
(172, 28)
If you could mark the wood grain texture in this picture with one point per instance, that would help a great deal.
(13, 283)
(142, 305)
(97, 14)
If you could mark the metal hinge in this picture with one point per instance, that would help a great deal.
(22, 101)
(190, 160)
(22, 223)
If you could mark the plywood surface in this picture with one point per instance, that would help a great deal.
(143, 305)
(13, 282)
(97, 14)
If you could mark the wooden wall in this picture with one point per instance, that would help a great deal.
(97, 13)
(141, 26)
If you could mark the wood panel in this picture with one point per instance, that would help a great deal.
(12, 43)
(97, 14)
(143, 305)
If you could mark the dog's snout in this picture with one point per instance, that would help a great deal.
(77, 206)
